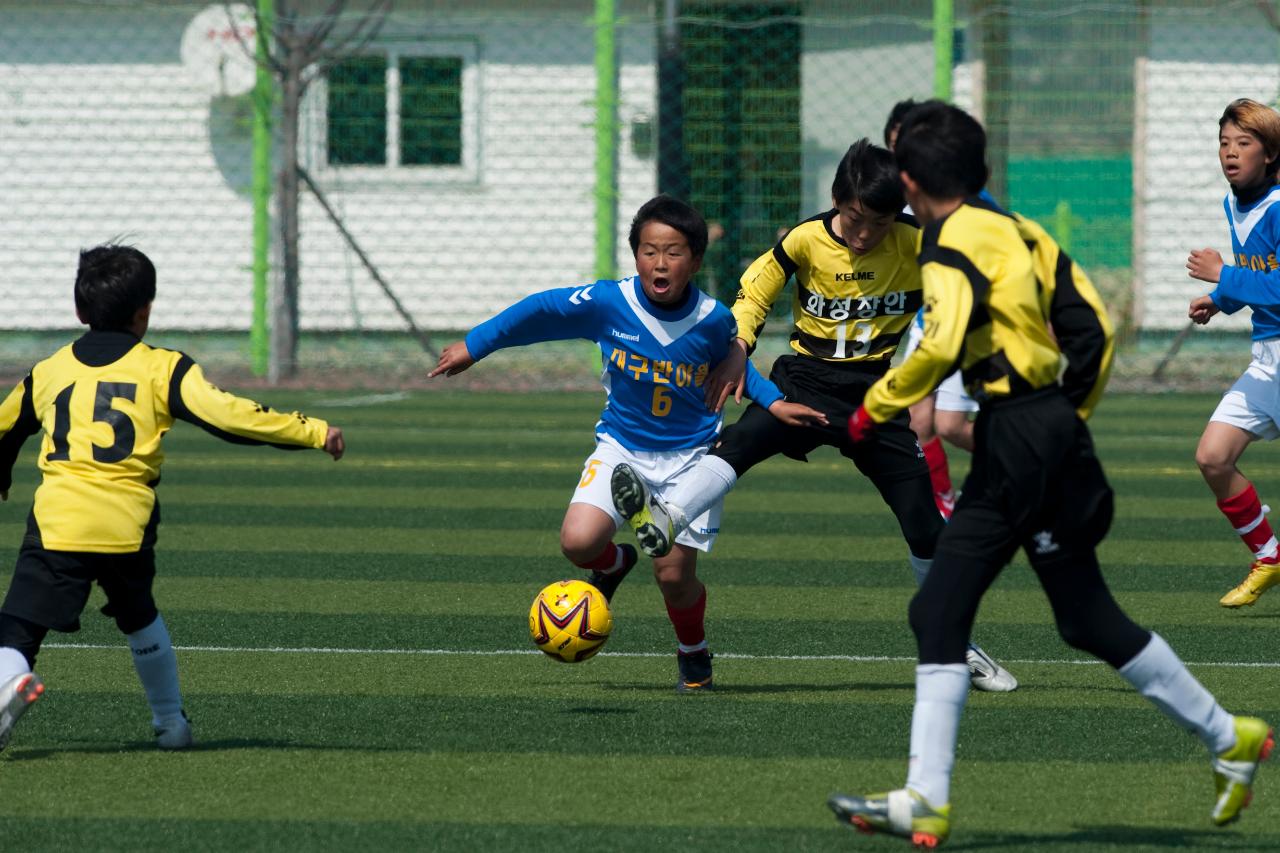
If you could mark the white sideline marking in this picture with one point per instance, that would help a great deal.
(366, 400)
(284, 650)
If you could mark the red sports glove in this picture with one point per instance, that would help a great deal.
(860, 425)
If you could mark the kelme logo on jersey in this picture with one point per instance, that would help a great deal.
(860, 275)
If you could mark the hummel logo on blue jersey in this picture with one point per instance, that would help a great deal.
(624, 335)
(581, 295)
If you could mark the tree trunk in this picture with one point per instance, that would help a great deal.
(284, 302)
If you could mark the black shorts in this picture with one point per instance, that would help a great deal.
(1036, 483)
(891, 453)
(51, 588)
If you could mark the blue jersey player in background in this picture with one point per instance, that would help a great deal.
(1249, 153)
(658, 339)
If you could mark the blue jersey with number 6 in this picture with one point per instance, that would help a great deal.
(656, 359)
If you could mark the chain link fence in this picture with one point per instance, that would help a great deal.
(456, 157)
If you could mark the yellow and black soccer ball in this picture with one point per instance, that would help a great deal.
(570, 621)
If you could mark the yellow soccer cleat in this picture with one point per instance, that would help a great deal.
(648, 516)
(1233, 770)
(1261, 577)
(903, 813)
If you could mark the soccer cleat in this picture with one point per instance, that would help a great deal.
(1261, 577)
(645, 513)
(695, 672)
(16, 696)
(946, 502)
(174, 733)
(607, 583)
(902, 812)
(987, 675)
(1233, 770)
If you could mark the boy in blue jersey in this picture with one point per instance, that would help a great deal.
(658, 339)
(1249, 152)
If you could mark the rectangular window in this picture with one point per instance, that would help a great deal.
(404, 107)
(431, 110)
(357, 111)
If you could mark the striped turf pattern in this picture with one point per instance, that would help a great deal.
(427, 544)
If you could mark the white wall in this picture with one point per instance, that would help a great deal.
(104, 133)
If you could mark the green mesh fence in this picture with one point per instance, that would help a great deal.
(462, 156)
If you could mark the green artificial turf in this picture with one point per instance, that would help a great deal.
(355, 658)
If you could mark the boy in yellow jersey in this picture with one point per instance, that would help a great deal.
(1035, 482)
(857, 290)
(105, 402)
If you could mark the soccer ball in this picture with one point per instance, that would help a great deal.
(570, 620)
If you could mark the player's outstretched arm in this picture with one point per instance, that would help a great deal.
(454, 359)
(18, 422)
(727, 377)
(1201, 309)
(797, 414)
(194, 399)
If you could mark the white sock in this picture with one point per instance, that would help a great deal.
(12, 663)
(157, 666)
(941, 691)
(920, 566)
(1159, 674)
(698, 489)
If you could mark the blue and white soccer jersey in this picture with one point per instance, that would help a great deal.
(1253, 402)
(950, 395)
(656, 360)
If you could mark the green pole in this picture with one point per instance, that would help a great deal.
(943, 48)
(264, 101)
(606, 140)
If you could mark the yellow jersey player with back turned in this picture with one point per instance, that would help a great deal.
(105, 403)
(993, 283)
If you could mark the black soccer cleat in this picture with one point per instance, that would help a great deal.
(695, 672)
(608, 583)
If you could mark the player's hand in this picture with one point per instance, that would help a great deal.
(453, 360)
(334, 444)
(1201, 309)
(727, 377)
(797, 414)
(1205, 264)
(860, 425)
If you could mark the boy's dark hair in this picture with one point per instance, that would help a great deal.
(112, 283)
(943, 149)
(868, 173)
(673, 212)
(896, 115)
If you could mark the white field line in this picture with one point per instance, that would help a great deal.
(315, 650)
(366, 400)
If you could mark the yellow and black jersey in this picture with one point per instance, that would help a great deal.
(1077, 317)
(847, 307)
(983, 314)
(104, 403)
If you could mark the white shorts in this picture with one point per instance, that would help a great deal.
(660, 469)
(1253, 402)
(950, 396)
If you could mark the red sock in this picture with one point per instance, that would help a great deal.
(688, 622)
(604, 560)
(1244, 511)
(939, 474)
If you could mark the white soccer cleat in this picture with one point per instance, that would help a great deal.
(174, 733)
(16, 696)
(987, 675)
